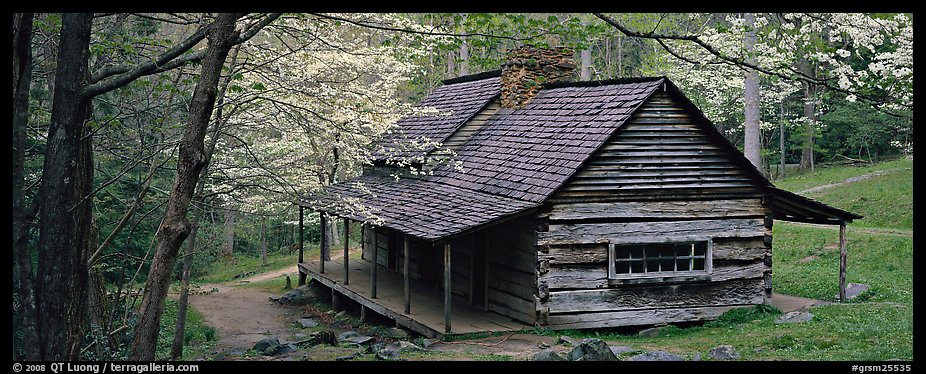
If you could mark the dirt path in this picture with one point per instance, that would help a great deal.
(854, 179)
(242, 316)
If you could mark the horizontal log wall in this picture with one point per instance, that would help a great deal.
(512, 269)
(660, 152)
(661, 178)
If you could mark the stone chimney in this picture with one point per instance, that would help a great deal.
(527, 67)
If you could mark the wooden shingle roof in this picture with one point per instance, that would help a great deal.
(457, 102)
(512, 163)
(528, 153)
(421, 208)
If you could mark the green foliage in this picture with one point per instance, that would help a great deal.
(198, 337)
(857, 130)
(225, 270)
(738, 316)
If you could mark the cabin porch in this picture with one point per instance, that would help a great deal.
(426, 315)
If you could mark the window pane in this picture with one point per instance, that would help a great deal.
(700, 248)
(666, 251)
(668, 265)
(682, 265)
(652, 252)
(683, 249)
(698, 264)
(621, 252)
(636, 267)
(622, 267)
(652, 266)
(636, 252)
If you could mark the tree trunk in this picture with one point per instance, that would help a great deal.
(586, 57)
(781, 139)
(22, 257)
(752, 143)
(175, 227)
(464, 52)
(65, 215)
(229, 246)
(263, 242)
(809, 118)
(176, 351)
(451, 67)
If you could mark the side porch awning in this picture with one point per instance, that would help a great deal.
(424, 209)
(789, 206)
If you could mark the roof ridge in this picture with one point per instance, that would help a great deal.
(473, 77)
(601, 82)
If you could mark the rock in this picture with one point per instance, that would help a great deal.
(404, 346)
(563, 339)
(543, 345)
(697, 357)
(592, 349)
(724, 353)
(354, 338)
(307, 322)
(651, 332)
(281, 349)
(396, 333)
(244, 275)
(548, 355)
(853, 290)
(621, 349)
(388, 352)
(319, 337)
(274, 298)
(299, 335)
(294, 297)
(341, 315)
(263, 344)
(427, 343)
(797, 316)
(657, 356)
(349, 357)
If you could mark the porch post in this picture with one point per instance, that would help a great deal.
(408, 294)
(373, 264)
(447, 286)
(302, 275)
(323, 244)
(843, 253)
(346, 257)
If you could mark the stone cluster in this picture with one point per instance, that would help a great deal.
(527, 67)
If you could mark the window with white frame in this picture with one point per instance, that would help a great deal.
(652, 260)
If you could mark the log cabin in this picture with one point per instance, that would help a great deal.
(545, 202)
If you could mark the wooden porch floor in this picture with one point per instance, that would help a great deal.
(427, 303)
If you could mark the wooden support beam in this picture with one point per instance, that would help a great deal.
(843, 254)
(447, 286)
(363, 313)
(363, 241)
(408, 293)
(323, 244)
(346, 250)
(302, 276)
(335, 301)
(373, 264)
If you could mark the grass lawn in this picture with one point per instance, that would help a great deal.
(828, 175)
(224, 270)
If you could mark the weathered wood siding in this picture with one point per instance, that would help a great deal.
(660, 178)
(512, 276)
(660, 152)
(455, 140)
